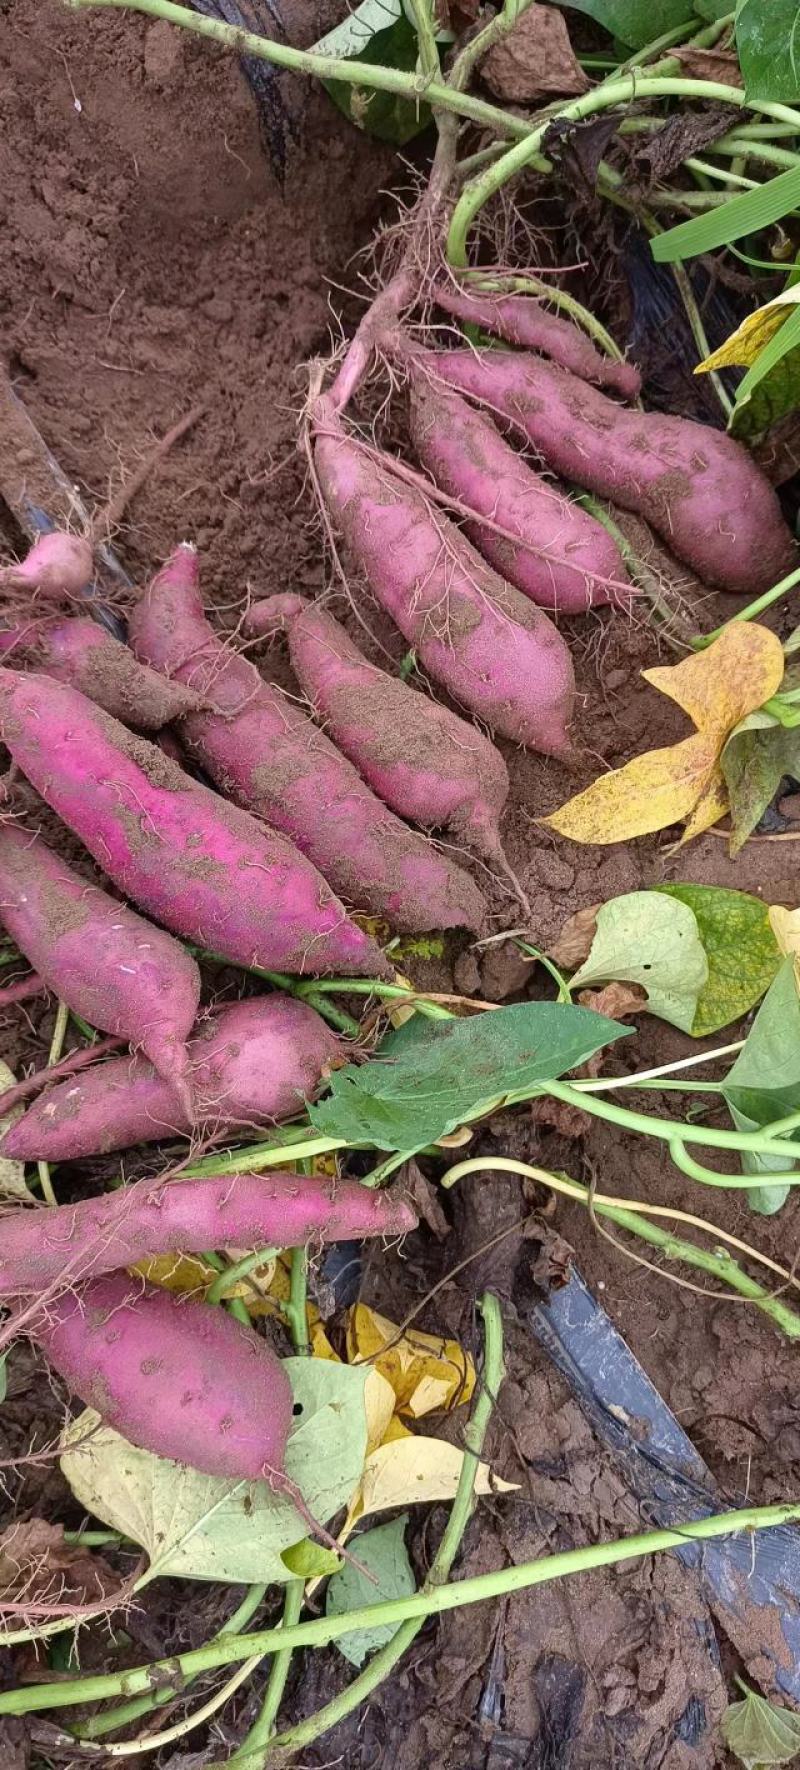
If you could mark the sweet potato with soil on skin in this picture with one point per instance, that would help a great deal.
(176, 1377)
(493, 650)
(83, 655)
(563, 559)
(267, 756)
(420, 758)
(253, 1063)
(697, 487)
(522, 320)
(198, 865)
(104, 961)
(40, 1249)
(58, 564)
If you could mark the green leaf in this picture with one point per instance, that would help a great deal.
(743, 215)
(430, 1076)
(310, 1560)
(768, 371)
(197, 1526)
(366, 36)
(759, 1734)
(768, 42)
(740, 947)
(383, 1552)
(764, 1083)
(713, 9)
(636, 22)
(653, 942)
(757, 755)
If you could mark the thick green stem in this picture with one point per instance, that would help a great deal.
(253, 1749)
(416, 88)
(229, 1276)
(626, 90)
(717, 1262)
(384, 1662)
(296, 1309)
(666, 1130)
(322, 1630)
(751, 610)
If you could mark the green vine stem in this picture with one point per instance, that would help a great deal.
(384, 1662)
(626, 90)
(320, 1631)
(717, 1262)
(751, 610)
(228, 1276)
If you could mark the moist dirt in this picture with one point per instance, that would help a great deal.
(151, 260)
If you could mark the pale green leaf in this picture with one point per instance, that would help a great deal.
(764, 1082)
(768, 363)
(197, 1526)
(757, 755)
(653, 941)
(310, 1560)
(377, 32)
(740, 947)
(759, 1734)
(382, 1551)
(743, 215)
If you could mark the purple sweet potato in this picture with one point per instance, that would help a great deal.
(79, 652)
(42, 1249)
(697, 487)
(267, 756)
(253, 1063)
(521, 319)
(201, 867)
(563, 559)
(493, 650)
(175, 1377)
(420, 758)
(58, 564)
(103, 960)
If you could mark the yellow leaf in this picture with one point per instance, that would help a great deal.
(379, 1407)
(717, 688)
(785, 925)
(177, 1272)
(747, 342)
(426, 1372)
(319, 1342)
(412, 1471)
(12, 1174)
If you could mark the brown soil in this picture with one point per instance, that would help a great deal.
(148, 260)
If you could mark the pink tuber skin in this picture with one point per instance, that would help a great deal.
(253, 1063)
(421, 759)
(83, 655)
(58, 565)
(181, 1379)
(103, 960)
(267, 756)
(563, 560)
(697, 487)
(521, 319)
(41, 1249)
(491, 648)
(196, 864)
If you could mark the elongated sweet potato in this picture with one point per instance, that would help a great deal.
(264, 753)
(522, 319)
(562, 558)
(699, 488)
(80, 653)
(252, 1063)
(118, 971)
(40, 1249)
(491, 647)
(420, 758)
(173, 1376)
(201, 867)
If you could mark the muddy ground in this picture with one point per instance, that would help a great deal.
(149, 258)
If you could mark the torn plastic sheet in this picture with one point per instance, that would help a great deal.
(264, 19)
(751, 1581)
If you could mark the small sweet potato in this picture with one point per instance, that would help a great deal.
(522, 319)
(252, 1063)
(41, 1249)
(58, 564)
(494, 651)
(118, 971)
(175, 1377)
(697, 487)
(420, 758)
(561, 557)
(201, 867)
(267, 756)
(82, 654)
